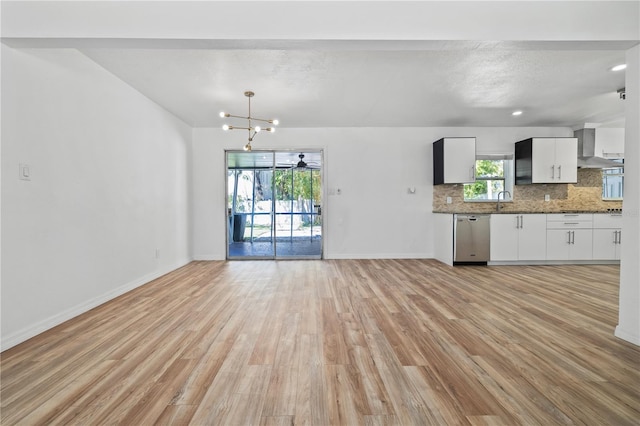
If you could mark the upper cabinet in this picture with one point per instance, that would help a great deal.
(609, 142)
(454, 160)
(546, 160)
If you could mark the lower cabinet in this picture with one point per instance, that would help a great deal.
(518, 237)
(607, 236)
(606, 244)
(556, 237)
(569, 244)
(569, 236)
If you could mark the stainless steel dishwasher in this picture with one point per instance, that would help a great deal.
(471, 238)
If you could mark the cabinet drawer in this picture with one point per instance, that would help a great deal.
(603, 221)
(570, 224)
(570, 217)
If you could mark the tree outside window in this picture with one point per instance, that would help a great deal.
(491, 179)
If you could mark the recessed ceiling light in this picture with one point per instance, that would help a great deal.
(619, 67)
(516, 113)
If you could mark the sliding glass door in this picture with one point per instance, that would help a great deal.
(274, 208)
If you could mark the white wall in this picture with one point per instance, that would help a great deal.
(374, 216)
(109, 185)
(274, 21)
(629, 312)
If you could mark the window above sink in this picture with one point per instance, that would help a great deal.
(494, 174)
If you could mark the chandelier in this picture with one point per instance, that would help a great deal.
(253, 130)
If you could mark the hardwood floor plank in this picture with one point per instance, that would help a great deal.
(160, 394)
(373, 387)
(245, 405)
(277, 421)
(373, 342)
(335, 348)
(382, 420)
(282, 391)
(176, 415)
(311, 398)
(407, 402)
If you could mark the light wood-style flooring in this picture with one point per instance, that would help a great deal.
(337, 342)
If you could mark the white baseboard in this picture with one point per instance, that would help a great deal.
(26, 333)
(378, 256)
(552, 262)
(209, 257)
(629, 337)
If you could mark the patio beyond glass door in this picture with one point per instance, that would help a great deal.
(250, 213)
(274, 205)
(298, 212)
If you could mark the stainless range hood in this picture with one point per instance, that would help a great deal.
(587, 158)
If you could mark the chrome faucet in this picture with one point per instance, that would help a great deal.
(498, 207)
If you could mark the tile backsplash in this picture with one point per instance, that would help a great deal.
(585, 195)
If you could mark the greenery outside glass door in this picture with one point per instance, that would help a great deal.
(274, 208)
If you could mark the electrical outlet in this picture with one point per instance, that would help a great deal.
(547, 197)
(449, 200)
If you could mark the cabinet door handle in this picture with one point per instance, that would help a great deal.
(560, 172)
(521, 221)
(472, 172)
(573, 237)
(553, 172)
(619, 237)
(615, 237)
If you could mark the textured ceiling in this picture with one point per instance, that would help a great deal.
(453, 85)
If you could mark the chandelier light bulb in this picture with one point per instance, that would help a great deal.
(619, 67)
(275, 122)
(250, 120)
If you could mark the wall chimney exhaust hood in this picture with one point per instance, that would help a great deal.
(587, 158)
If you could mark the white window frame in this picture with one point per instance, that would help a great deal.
(619, 172)
(508, 176)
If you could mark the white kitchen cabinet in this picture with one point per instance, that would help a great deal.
(569, 244)
(454, 160)
(609, 142)
(518, 237)
(569, 237)
(606, 244)
(443, 235)
(546, 160)
(607, 236)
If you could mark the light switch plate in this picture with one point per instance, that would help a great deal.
(547, 197)
(24, 173)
